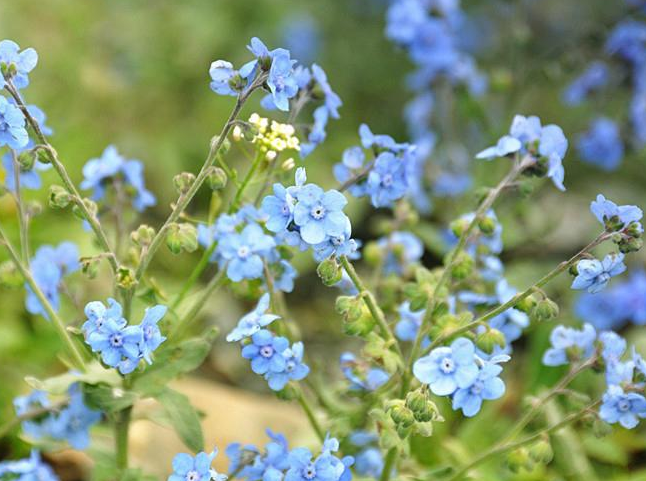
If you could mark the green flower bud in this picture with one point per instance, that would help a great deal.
(488, 340)
(26, 161)
(541, 451)
(545, 310)
(329, 271)
(526, 305)
(217, 178)
(462, 266)
(360, 326)
(125, 278)
(59, 197)
(90, 266)
(459, 227)
(183, 182)
(487, 225)
(614, 223)
(143, 236)
(181, 238)
(630, 244)
(519, 459)
(634, 229)
(402, 416)
(416, 401)
(224, 148)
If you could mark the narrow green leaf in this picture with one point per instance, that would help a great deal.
(183, 417)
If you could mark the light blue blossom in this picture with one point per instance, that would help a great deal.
(265, 352)
(448, 184)
(319, 214)
(97, 314)
(73, 422)
(601, 145)
(568, 343)
(317, 132)
(195, 468)
(553, 145)
(279, 208)
(16, 65)
(253, 321)
(621, 407)
(387, 181)
(506, 145)
(332, 100)
(244, 252)
(338, 245)
(281, 81)
(28, 179)
(325, 467)
(13, 132)
(29, 469)
(612, 216)
(224, 78)
(352, 166)
(116, 344)
(34, 401)
(152, 336)
(361, 376)
(401, 250)
(447, 369)
(487, 386)
(295, 369)
(409, 322)
(593, 78)
(594, 275)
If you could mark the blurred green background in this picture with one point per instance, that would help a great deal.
(135, 74)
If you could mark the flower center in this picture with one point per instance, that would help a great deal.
(318, 212)
(387, 180)
(477, 387)
(337, 241)
(243, 252)
(266, 351)
(623, 405)
(116, 340)
(447, 365)
(309, 472)
(290, 366)
(148, 332)
(193, 476)
(285, 209)
(603, 277)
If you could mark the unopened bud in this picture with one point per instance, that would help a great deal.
(143, 236)
(630, 244)
(402, 416)
(125, 278)
(462, 266)
(526, 305)
(59, 197)
(26, 161)
(519, 459)
(236, 134)
(183, 182)
(217, 178)
(541, 451)
(90, 266)
(634, 229)
(181, 238)
(487, 226)
(545, 310)
(488, 340)
(288, 164)
(271, 155)
(329, 271)
(459, 227)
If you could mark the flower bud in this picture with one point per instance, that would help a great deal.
(143, 236)
(59, 197)
(462, 266)
(329, 271)
(26, 161)
(271, 155)
(125, 277)
(361, 325)
(519, 459)
(236, 134)
(217, 178)
(545, 310)
(614, 223)
(630, 244)
(402, 416)
(416, 401)
(487, 225)
(459, 227)
(526, 305)
(183, 182)
(288, 164)
(90, 266)
(541, 451)
(224, 148)
(181, 237)
(488, 340)
(634, 229)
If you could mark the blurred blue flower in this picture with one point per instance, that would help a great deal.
(401, 250)
(72, 424)
(567, 343)
(361, 377)
(152, 336)
(281, 81)
(409, 322)
(593, 78)
(29, 469)
(601, 145)
(195, 468)
(621, 407)
(253, 321)
(593, 275)
(387, 181)
(13, 132)
(332, 100)
(301, 36)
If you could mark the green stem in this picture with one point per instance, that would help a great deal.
(216, 281)
(62, 173)
(310, 415)
(197, 271)
(245, 182)
(121, 428)
(563, 266)
(389, 463)
(518, 167)
(371, 303)
(23, 223)
(500, 449)
(59, 325)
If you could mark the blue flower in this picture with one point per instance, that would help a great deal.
(326, 467)
(624, 408)
(319, 214)
(594, 275)
(74, 421)
(317, 132)
(361, 377)
(506, 145)
(13, 132)
(97, 314)
(281, 81)
(266, 352)
(449, 184)
(387, 181)
(380, 142)
(487, 386)
(301, 36)
(198, 468)
(253, 322)
(117, 344)
(338, 245)
(34, 401)
(152, 336)
(279, 208)
(244, 252)
(223, 78)
(627, 41)
(295, 369)
(569, 343)
(526, 129)
(48, 266)
(401, 250)
(409, 322)
(16, 65)
(553, 145)
(28, 179)
(352, 166)
(112, 166)
(447, 369)
(612, 216)
(511, 322)
(332, 100)
(601, 145)
(593, 78)
(369, 462)
(30, 469)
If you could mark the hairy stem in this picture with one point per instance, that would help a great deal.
(310, 415)
(195, 274)
(121, 428)
(23, 222)
(245, 182)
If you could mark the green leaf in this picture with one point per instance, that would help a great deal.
(183, 417)
(95, 374)
(107, 398)
(170, 362)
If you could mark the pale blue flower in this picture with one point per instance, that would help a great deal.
(319, 214)
(13, 131)
(621, 407)
(610, 215)
(487, 386)
(253, 321)
(195, 468)
(17, 62)
(244, 252)
(594, 275)
(567, 342)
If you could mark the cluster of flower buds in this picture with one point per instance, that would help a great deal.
(271, 138)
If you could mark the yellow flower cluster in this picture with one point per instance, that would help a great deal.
(271, 138)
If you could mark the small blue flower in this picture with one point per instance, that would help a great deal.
(332, 100)
(380, 142)
(369, 462)
(526, 129)
(401, 249)
(295, 369)
(361, 377)
(624, 408)
(74, 421)
(387, 180)
(152, 336)
(593, 78)
(223, 78)
(253, 322)
(326, 467)
(594, 275)
(339, 245)
(319, 214)
(627, 41)
(244, 252)
(13, 132)
(97, 314)
(511, 322)
(601, 145)
(115, 343)
(449, 184)
(568, 342)
(34, 401)
(15, 64)
(197, 468)
(281, 81)
(506, 145)
(553, 145)
(317, 132)
(409, 322)
(266, 352)
(352, 166)
(30, 469)
(487, 386)
(447, 369)
(279, 208)
(610, 215)
(29, 179)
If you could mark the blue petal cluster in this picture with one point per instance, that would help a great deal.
(593, 78)
(49, 266)
(457, 371)
(362, 377)
(122, 346)
(29, 469)
(568, 343)
(601, 145)
(70, 423)
(401, 250)
(112, 168)
(13, 130)
(16, 65)
(195, 468)
(368, 461)
(593, 275)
